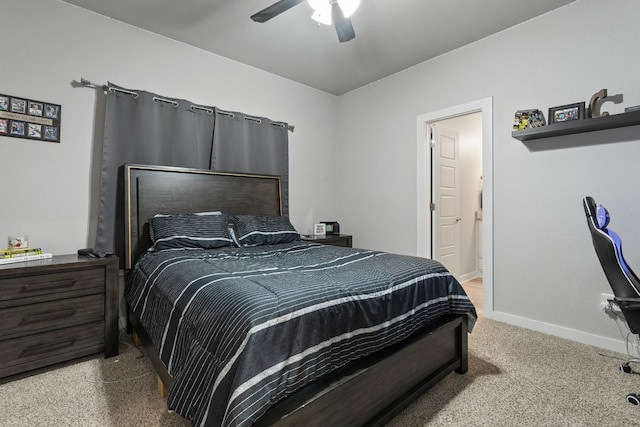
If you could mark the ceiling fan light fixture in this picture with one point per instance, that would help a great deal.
(348, 7)
(322, 9)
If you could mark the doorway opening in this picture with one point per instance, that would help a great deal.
(454, 197)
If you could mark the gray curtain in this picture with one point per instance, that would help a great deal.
(249, 144)
(144, 128)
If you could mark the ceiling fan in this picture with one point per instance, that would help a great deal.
(326, 11)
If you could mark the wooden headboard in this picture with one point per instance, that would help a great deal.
(151, 190)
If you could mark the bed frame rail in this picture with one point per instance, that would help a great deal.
(367, 392)
(372, 392)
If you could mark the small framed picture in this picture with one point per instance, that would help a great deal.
(4, 126)
(34, 130)
(527, 119)
(4, 103)
(35, 109)
(18, 105)
(566, 113)
(51, 133)
(319, 229)
(17, 128)
(51, 111)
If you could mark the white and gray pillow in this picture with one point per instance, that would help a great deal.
(254, 230)
(206, 230)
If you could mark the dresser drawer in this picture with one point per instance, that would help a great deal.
(34, 351)
(28, 319)
(28, 289)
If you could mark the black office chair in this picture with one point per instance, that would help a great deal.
(623, 281)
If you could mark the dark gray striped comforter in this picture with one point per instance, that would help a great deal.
(240, 329)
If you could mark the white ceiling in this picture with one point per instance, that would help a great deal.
(391, 35)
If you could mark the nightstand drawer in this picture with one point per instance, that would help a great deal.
(34, 351)
(339, 242)
(28, 319)
(47, 287)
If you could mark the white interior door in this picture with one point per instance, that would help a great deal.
(445, 197)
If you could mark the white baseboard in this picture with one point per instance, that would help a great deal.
(469, 276)
(619, 346)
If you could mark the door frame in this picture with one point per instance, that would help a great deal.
(424, 187)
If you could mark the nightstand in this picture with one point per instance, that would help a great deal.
(330, 239)
(57, 309)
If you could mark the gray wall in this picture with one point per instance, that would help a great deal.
(546, 275)
(49, 190)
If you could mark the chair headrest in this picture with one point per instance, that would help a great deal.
(602, 217)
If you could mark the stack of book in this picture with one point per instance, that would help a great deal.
(21, 255)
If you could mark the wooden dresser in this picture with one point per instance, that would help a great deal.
(57, 309)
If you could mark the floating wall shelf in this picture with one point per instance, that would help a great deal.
(579, 126)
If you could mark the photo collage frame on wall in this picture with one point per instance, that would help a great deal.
(28, 118)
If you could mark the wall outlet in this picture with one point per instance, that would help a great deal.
(608, 304)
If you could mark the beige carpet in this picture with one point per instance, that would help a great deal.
(516, 377)
(519, 377)
(119, 391)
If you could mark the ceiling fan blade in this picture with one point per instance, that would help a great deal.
(274, 10)
(342, 24)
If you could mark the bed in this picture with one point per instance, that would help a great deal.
(245, 335)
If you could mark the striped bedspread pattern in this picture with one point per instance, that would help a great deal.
(241, 328)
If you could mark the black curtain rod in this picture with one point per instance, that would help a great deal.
(86, 83)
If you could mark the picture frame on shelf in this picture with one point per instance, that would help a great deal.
(320, 229)
(566, 113)
(527, 119)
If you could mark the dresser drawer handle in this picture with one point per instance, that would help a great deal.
(47, 347)
(59, 284)
(51, 315)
